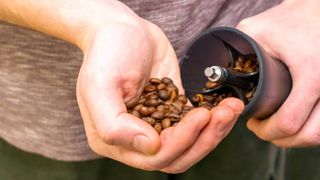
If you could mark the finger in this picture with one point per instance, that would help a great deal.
(256, 27)
(291, 116)
(174, 141)
(308, 136)
(222, 120)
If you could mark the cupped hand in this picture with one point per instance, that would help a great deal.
(290, 32)
(119, 59)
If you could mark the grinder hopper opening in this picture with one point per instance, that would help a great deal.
(211, 49)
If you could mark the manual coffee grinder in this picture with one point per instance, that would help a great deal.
(211, 53)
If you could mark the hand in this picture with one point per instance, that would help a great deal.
(121, 51)
(119, 59)
(290, 32)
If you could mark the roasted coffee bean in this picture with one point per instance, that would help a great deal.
(247, 64)
(248, 70)
(173, 95)
(167, 103)
(152, 102)
(132, 103)
(144, 111)
(172, 87)
(150, 88)
(238, 68)
(240, 59)
(196, 99)
(158, 127)
(161, 86)
(238, 64)
(165, 123)
(183, 99)
(205, 104)
(164, 95)
(166, 80)
(211, 85)
(178, 105)
(158, 115)
(161, 108)
(174, 116)
(137, 107)
(136, 113)
(151, 109)
(187, 108)
(154, 81)
(149, 120)
(142, 100)
(208, 98)
(152, 94)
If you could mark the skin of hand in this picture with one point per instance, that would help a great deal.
(121, 52)
(290, 32)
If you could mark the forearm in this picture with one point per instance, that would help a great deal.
(72, 20)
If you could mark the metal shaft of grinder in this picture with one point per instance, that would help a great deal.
(224, 76)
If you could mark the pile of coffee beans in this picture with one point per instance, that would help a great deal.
(246, 63)
(160, 104)
(243, 64)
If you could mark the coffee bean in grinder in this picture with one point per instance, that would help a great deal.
(225, 62)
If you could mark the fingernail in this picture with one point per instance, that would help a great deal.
(142, 143)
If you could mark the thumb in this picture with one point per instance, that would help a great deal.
(106, 112)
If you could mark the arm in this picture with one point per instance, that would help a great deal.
(121, 51)
(290, 32)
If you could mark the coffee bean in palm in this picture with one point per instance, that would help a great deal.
(132, 102)
(136, 113)
(144, 111)
(142, 100)
(149, 120)
(158, 115)
(161, 86)
(164, 95)
(152, 102)
(165, 123)
(161, 108)
(182, 98)
(137, 107)
(166, 80)
(150, 88)
(178, 105)
(172, 87)
(158, 127)
(174, 116)
(154, 80)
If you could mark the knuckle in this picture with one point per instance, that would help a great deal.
(311, 139)
(110, 134)
(175, 170)
(288, 125)
(146, 166)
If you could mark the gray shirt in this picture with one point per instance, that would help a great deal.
(38, 107)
